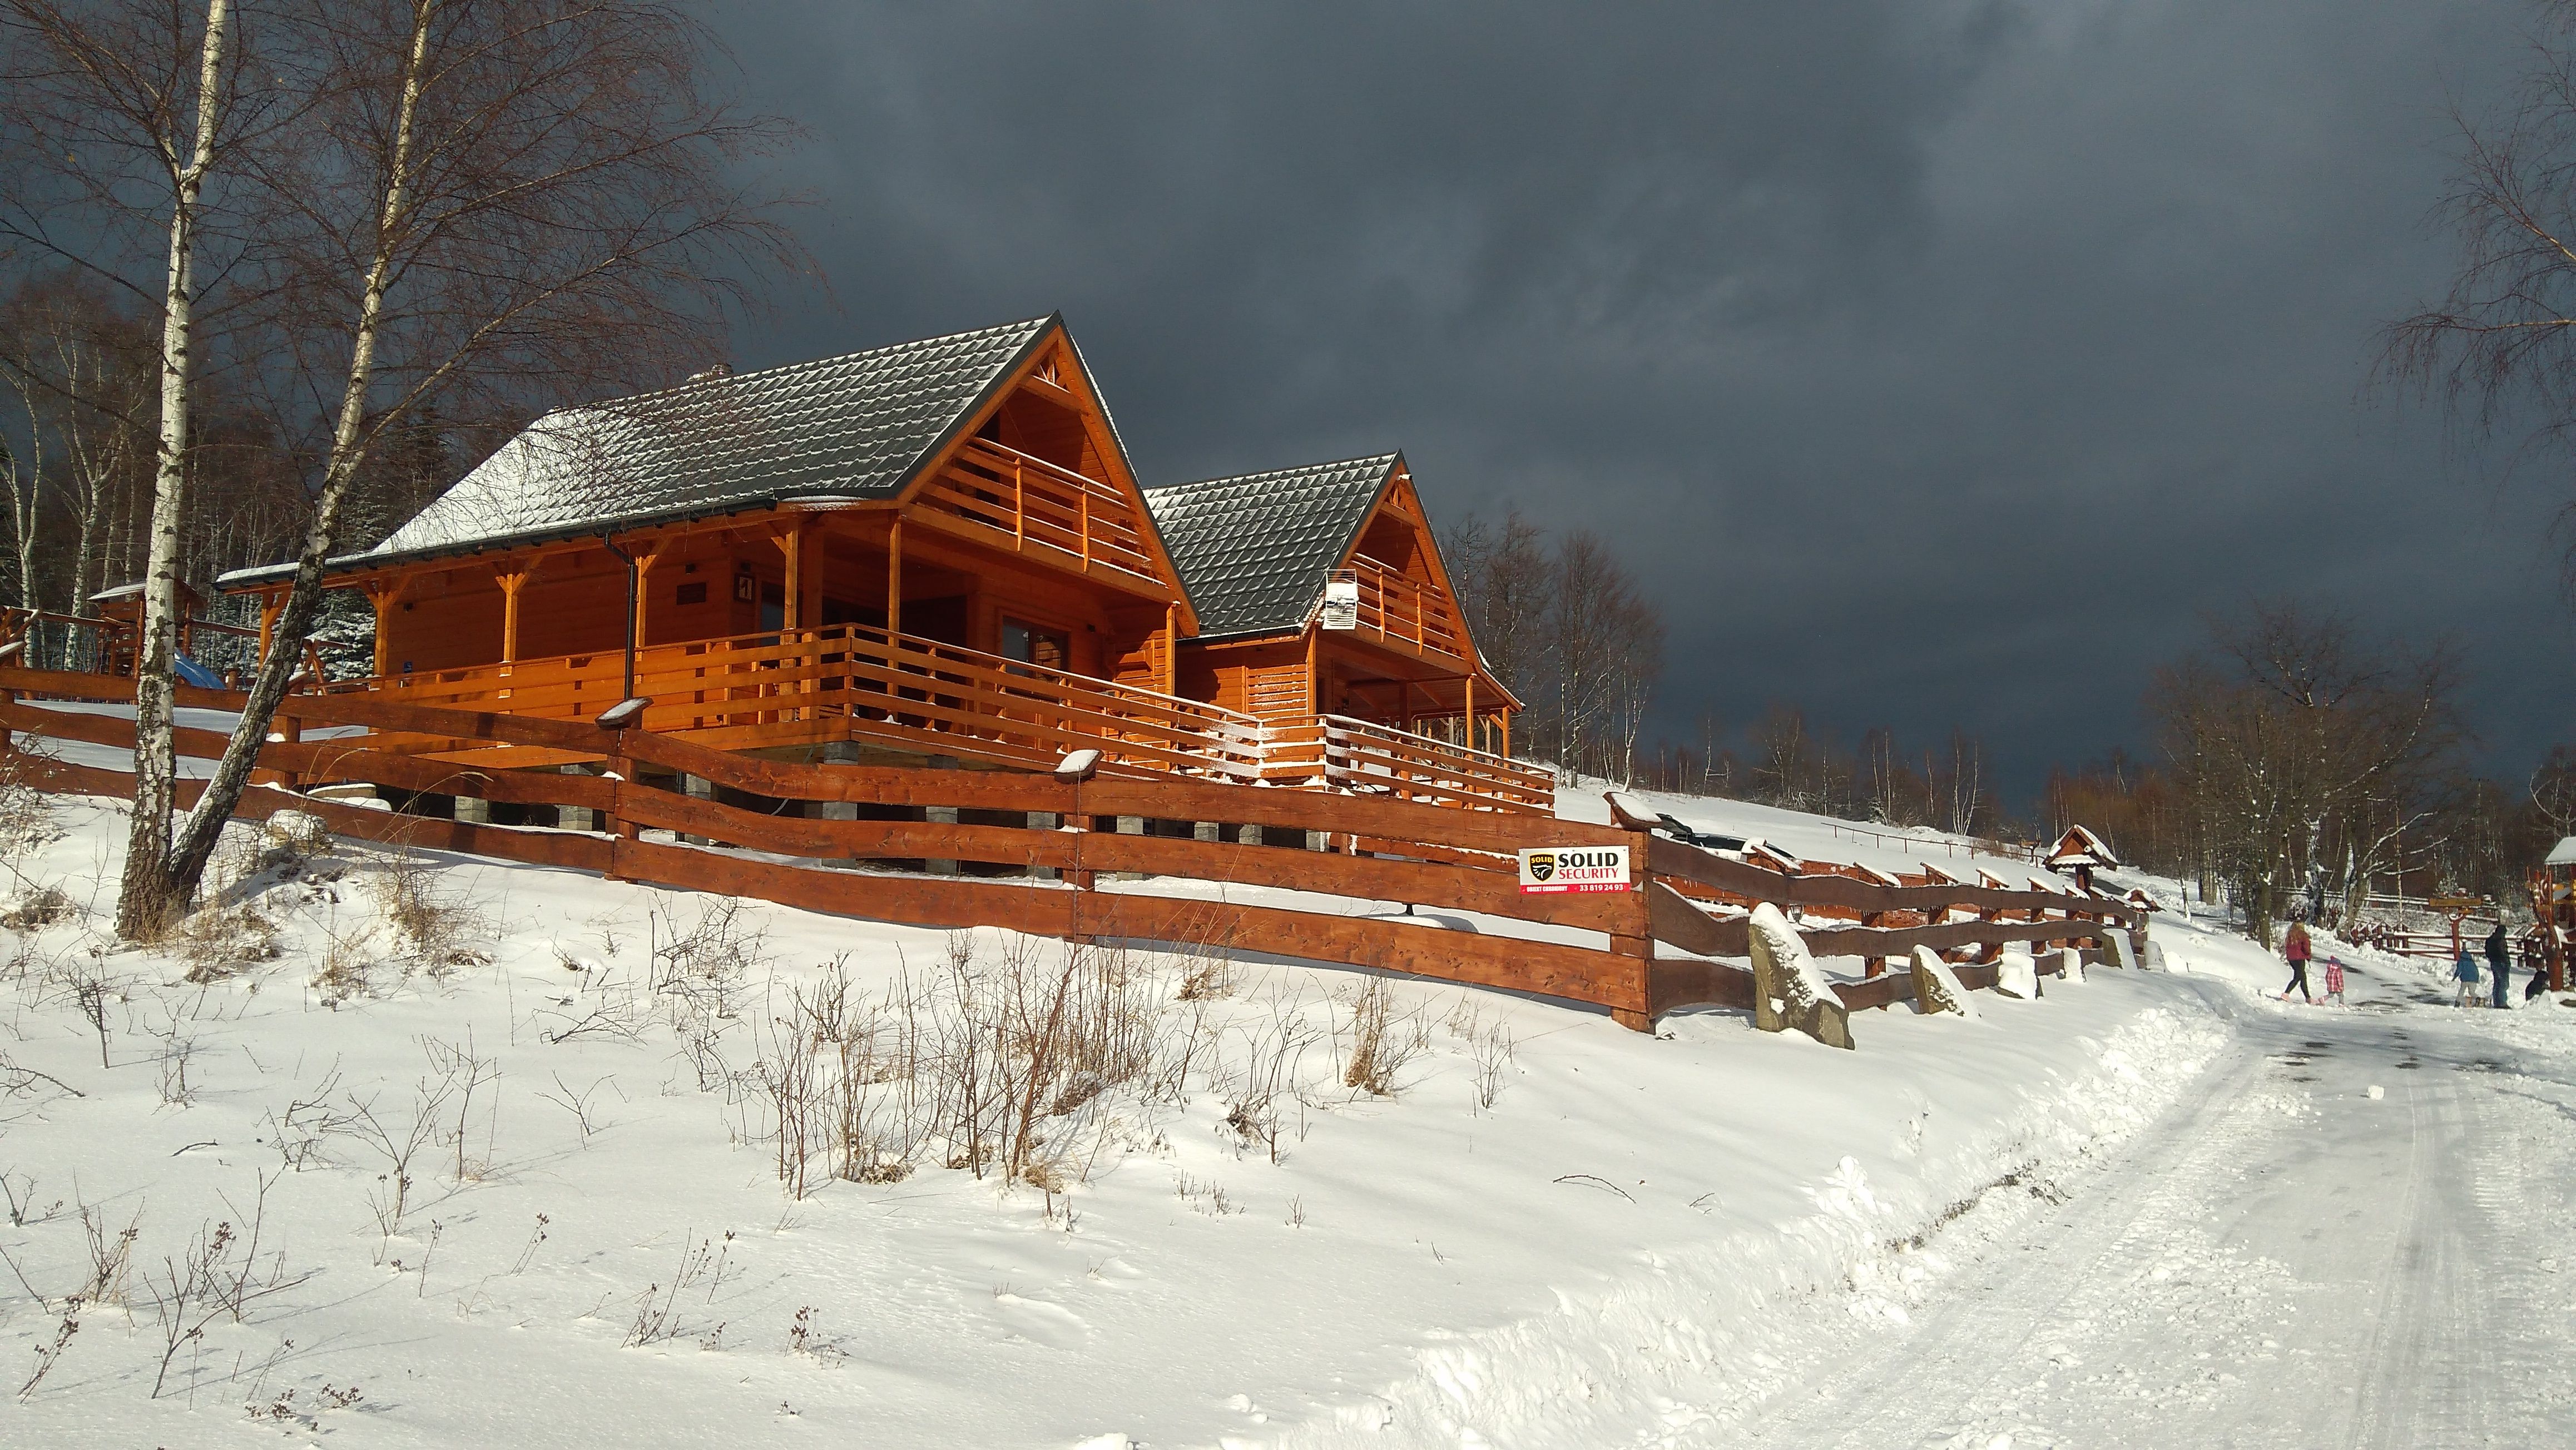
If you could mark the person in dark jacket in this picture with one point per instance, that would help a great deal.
(2499, 961)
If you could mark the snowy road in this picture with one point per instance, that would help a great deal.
(2285, 1260)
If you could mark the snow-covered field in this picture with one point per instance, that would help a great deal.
(1547, 1230)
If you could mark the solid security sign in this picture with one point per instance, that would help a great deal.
(1551, 870)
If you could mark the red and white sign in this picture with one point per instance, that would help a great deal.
(1555, 870)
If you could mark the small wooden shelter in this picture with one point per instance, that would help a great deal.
(2079, 853)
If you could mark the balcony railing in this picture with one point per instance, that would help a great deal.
(1026, 500)
(1402, 610)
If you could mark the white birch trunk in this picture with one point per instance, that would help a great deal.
(146, 903)
(321, 537)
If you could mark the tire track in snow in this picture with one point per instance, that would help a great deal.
(2283, 1262)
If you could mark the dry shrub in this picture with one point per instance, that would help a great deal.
(998, 1063)
(38, 909)
(219, 942)
(26, 813)
(348, 962)
(1381, 1042)
(437, 931)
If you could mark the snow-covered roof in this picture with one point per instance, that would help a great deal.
(2080, 847)
(856, 426)
(1253, 549)
(2564, 853)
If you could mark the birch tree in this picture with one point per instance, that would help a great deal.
(500, 200)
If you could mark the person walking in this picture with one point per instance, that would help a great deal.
(2466, 969)
(2294, 947)
(2500, 962)
(2334, 979)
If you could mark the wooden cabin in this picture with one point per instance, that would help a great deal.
(1263, 554)
(933, 552)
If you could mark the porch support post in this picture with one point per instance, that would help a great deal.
(269, 606)
(1468, 715)
(1314, 683)
(381, 594)
(1507, 730)
(894, 577)
(644, 593)
(1172, 648)
(792, 544)
(510, 580)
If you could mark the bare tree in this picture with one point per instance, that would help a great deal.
(481, 205)
(2298, 747)
(2498, 350)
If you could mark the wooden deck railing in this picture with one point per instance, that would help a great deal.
(1377, 849)
(1342, 753)
(1028, 500)
(861, 683)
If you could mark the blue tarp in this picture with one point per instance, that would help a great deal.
(192, 673)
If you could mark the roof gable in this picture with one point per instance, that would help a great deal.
(1253, 550)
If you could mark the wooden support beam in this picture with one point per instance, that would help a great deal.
(894, 577)
(644, 594)
(1172, 649)
(510, 581)
(271, 604)
(381, 593)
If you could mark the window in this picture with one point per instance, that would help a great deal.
(692, 593)
(1031, 644)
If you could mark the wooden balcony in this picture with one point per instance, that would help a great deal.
(1005, 498)
(1402, 611)
(853, 682)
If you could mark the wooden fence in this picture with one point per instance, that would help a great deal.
(960, 830)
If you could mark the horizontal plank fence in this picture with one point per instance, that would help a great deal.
(1027, 851)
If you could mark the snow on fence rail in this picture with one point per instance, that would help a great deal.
(721, 808)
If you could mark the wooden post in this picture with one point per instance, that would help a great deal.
(1507, 730)
(894, 577)
(270, 604)
(381, 595)
(1314, 682)
(510, 580)
(1019, 503)
(1468, 714)
(1172, 648)
(792, 544)
(644, 595)
(1638, 941)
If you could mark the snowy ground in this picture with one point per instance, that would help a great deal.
(2076, 1221)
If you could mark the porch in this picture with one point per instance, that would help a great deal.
(900, 698)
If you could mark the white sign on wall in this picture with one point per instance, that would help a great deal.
(1554, 870)
(1341, 604)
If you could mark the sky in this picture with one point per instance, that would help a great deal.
(1933, 364)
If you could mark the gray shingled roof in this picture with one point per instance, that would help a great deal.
(1253, 550)
(852, 426)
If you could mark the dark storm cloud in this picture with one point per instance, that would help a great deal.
(1935, 364)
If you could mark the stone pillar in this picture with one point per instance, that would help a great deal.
(1045, 821)
(697, 790)
(939, 816)
(1129, 826)
(576, 818)
(474, 810)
